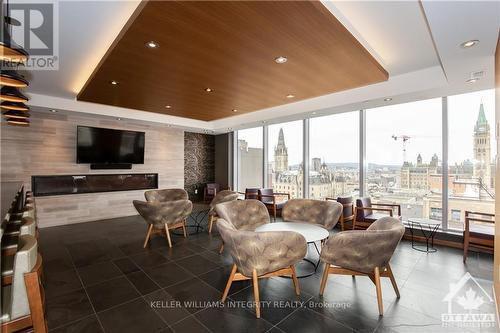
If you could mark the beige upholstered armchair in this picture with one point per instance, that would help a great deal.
(243, 214)
(170, 194)
(261, 255)
(164, 216)
(320, 212)
(364, 252)
(220, 197)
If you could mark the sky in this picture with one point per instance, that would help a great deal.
(335, 138)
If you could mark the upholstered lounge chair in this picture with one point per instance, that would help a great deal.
(323, 213)
(364, 252)
(220, 197)
(169, 194)
(258, 255)
(164, 216)
(243, 214)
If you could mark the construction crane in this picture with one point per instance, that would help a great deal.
(405, 139)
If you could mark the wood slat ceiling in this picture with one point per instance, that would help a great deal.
(229, 46)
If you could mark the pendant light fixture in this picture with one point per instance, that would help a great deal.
(10, 51)
(11, 114)
(14, 106)
(11, 55)
(18, 122)
(11, 78)
(12, 94)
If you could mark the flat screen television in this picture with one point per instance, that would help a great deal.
(109, 146)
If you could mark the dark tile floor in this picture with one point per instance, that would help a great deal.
(98, 278)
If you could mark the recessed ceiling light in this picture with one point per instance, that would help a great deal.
(290, 96)
(263, 121)
(209, 89)
(472, 80)
(280, 60)
(388, 99)
(168, 106)
(469, 43)
(118, 118)
(314, 113)
(235, 110)
(113, 82)
(53, 111)
(152, 44)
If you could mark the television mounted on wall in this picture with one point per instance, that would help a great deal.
(109, 147)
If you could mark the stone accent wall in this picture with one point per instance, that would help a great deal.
(199, 163)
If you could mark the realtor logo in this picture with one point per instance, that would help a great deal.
(35, 28)
(468, 305)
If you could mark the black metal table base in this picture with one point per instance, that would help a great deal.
(309, 261)
(428, 235)
(198, 218)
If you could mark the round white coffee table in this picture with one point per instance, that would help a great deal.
(312, 233)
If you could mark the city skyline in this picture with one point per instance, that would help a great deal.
(335, 138)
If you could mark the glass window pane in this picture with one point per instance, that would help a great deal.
(472, 154)
(334, 153)
(285, 158)
(403, 154)
(250, 158)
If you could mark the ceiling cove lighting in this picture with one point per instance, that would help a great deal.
(280, 60)
(469, 43)
(11, 94)
(16, 115)
(152, 44)
(18, 122)
(11, 78)
(14, 106)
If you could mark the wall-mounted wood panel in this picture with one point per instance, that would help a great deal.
(48, 147)
(229, 46)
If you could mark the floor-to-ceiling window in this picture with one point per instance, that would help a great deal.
(250, 155)
(334, 156)
(472, 152)
(404, 157)
(285, 152)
